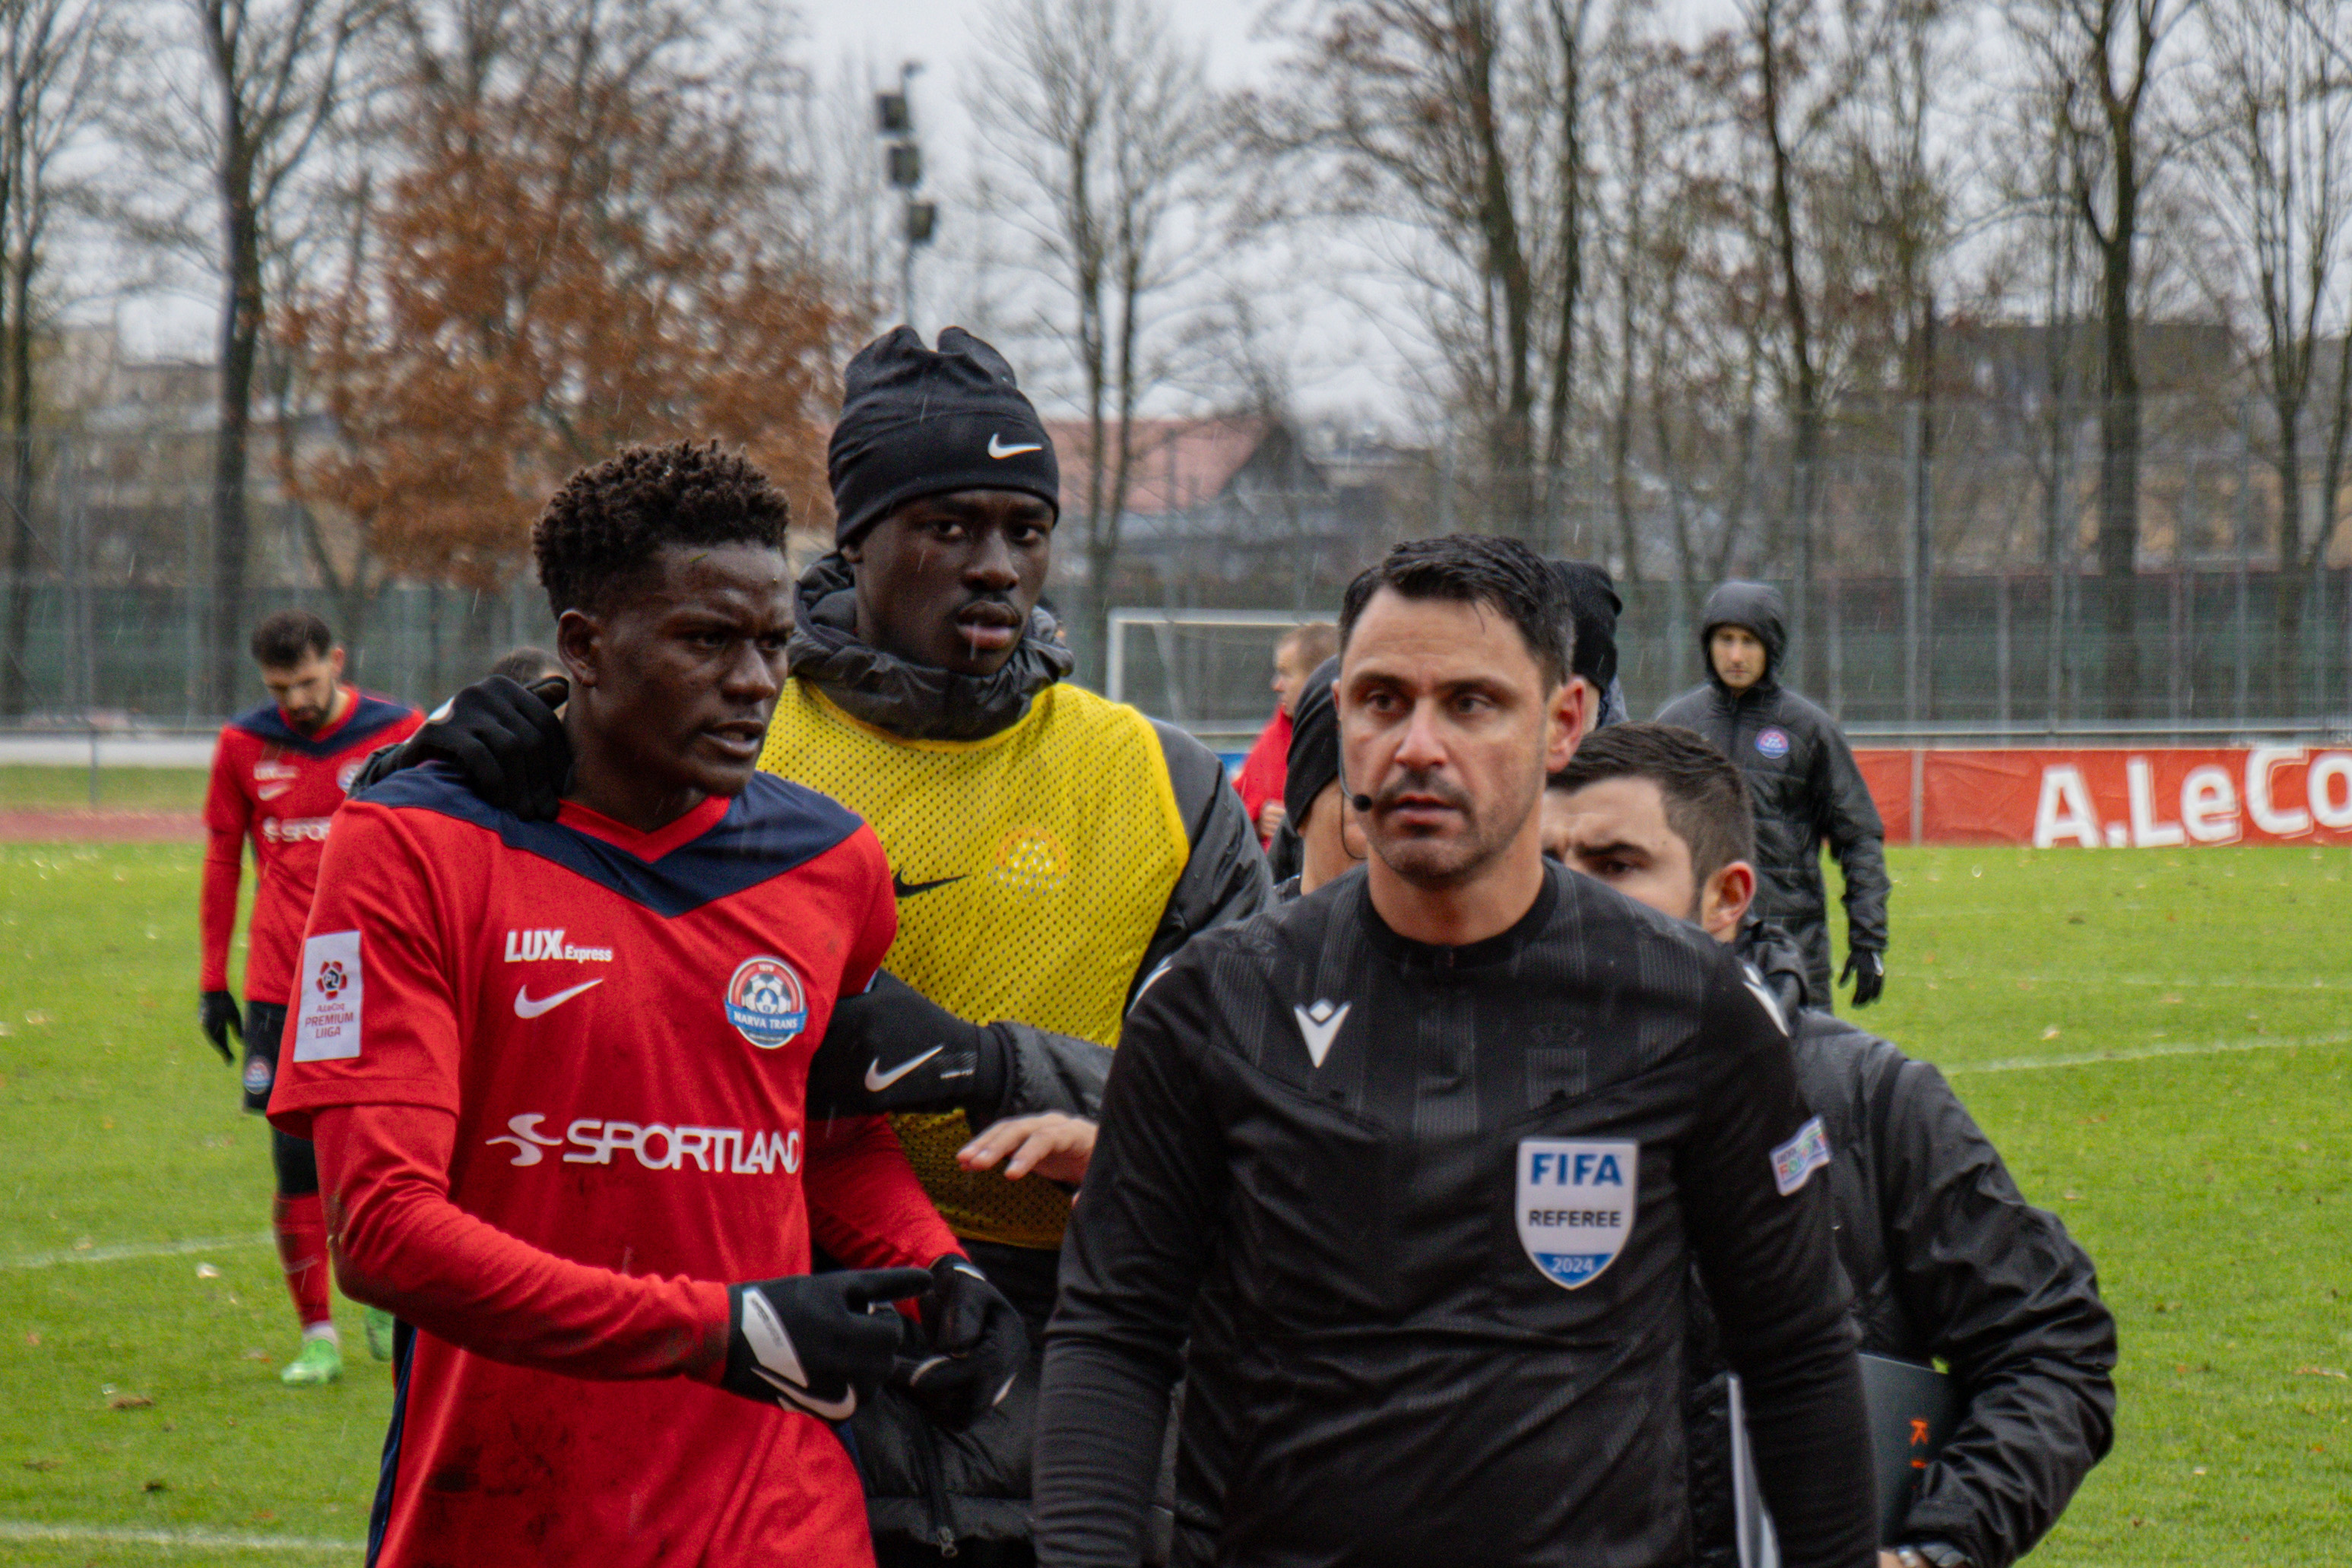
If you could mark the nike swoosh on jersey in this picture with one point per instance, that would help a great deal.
(271, 791)
(877, 1081)
(526, 1009)
(900, 887)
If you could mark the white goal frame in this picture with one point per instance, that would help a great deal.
(1166, 621)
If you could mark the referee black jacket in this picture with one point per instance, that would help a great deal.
(1314, 1142)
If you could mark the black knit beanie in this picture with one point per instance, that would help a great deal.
(915, 421)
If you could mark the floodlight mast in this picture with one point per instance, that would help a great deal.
(894, 121)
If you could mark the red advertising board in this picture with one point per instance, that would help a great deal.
(2147, 797)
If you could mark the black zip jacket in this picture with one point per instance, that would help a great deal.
(1802, 779)
(1322, 1146)
(1947, 1262)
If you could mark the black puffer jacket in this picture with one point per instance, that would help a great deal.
(924, 1484)
(1806, 787)
(1947, 1262)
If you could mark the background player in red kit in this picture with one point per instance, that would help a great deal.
(557, 1073)
(278, 773)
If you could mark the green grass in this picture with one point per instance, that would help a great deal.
(124, 1130)
(2209, 1185)
(24, 786)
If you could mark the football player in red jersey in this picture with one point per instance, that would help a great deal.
(278, 773)
(557, 1072)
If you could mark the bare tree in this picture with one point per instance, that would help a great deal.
(2101, 57)
(59, 60)
(2273, 108)
(1455, 135)
(1804, 63)
(1101, 121)
(270, 79)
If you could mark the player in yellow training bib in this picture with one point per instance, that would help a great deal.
(1049, 851)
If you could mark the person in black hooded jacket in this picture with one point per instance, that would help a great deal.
(1945, 1257)
(1803, 782)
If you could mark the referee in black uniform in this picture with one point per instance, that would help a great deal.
(1405, 1177)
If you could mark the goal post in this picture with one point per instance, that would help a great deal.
(1206, 670)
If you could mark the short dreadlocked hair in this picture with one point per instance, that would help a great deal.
(600, 531)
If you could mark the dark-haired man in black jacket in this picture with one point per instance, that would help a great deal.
(1803, 781)
(1946, 1258)
(1407, 1177)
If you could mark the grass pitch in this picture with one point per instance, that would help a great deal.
(2160, 1043)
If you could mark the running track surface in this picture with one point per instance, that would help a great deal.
(86, 827)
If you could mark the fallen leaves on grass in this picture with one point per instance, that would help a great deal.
(158, 1484)
(43, 1464)
(2318, 1372)
(130, 1402)
(2050, 1033)
(33, 1339)
(206, 1271)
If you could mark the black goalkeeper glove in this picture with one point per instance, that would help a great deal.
(893, 1048)
(504, 737)
(816, 1342)
(1867, 969)
(972, 1347)
(218, 1016)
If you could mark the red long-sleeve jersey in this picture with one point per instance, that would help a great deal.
(1262, 773)
(557, 1073)
(278, 786)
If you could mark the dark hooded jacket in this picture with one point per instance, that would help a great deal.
(1947, 1262)
(1802, 779)
(921, 1481)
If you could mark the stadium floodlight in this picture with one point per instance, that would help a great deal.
(921, 218)
(906, 164)
(892, 116)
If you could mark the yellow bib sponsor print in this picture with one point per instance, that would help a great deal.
(1032, 867)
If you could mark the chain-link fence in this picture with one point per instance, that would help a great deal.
(1955, 585)
(107, 595)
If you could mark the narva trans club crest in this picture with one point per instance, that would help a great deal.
(766, 1002)
(1575, 1205)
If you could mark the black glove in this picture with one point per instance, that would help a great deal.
(893, 1048)
(1867, 969)
(218, 1015)
(816, 1343)
(973, 1346)
(506, 739)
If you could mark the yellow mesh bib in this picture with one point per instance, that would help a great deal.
(1033, 867)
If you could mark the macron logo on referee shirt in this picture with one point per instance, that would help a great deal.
(1319, 1026)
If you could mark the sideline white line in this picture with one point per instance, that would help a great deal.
(213, 1540)
(130, 1249)
(2143, 1053)
(2184, 982)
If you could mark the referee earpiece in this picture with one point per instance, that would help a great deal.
(1362, 803)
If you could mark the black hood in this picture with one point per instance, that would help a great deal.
(919, 702)
(1757, 607)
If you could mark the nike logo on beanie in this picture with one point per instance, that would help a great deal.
(998, 449)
